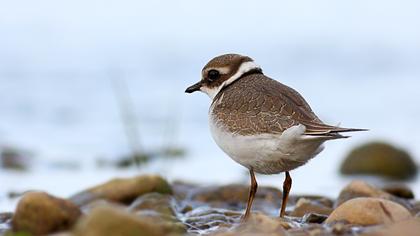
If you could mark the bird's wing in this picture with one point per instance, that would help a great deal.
(258, 104)
(299, 110)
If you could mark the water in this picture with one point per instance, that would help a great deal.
(57, 98)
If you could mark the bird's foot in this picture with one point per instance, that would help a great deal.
(244, 218)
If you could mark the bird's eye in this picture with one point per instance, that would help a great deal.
(213, 75)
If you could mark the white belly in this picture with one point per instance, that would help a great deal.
(268, 153)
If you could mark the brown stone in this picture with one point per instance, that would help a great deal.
(158, 208)
(161, 203)
(123, 190)
(404, 228)
(40, 213)
(369, 211)
(360, 188)
(317, 199)
(115, 221)
(258, 224)
(399, 190)
(381, 159)
(305, 206)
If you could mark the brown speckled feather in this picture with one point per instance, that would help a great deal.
(256, 104)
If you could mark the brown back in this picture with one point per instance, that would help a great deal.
(258, 104)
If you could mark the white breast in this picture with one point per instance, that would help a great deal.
(267, 153)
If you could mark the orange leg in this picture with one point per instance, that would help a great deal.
(252, 191)
(287, 185)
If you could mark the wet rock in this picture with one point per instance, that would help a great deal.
(399, 190)
(404, 228)
(115, 221)
(337, 229)
(123, 190)
(305, 206)
(156, 207)
(99, 203)
(161, 203)
(258, 224)
(168, 224)
(369, 211)
(359, 188)
(40, 213)
(206, 219)
(381, 159)
(309, 230)
(340, 228)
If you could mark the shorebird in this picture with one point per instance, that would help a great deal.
(259, 122)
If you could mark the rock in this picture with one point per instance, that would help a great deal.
(314, 218)
(99, 203)
(156, 207)
(337, 229)
(369, 211)
(310, 230)
(399, 190)
(404, 228)
(305, 206)
(40, 213)
(114, 221)
(258, 224)
(381, 159)
(157, 202)
(123, 190)
(316, 199)
(359, 188)
(60, 234)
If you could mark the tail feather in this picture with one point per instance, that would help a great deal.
(328, 131)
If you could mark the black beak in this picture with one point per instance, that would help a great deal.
(193, 88)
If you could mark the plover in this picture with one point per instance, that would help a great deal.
(260, 123)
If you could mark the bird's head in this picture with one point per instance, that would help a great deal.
(221, 71)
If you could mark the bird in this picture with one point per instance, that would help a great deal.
(260, 123)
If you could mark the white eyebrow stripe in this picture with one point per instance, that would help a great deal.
(222, 70)
(244, 68)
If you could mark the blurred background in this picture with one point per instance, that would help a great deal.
(88, 86)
